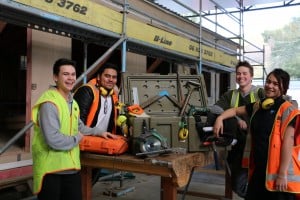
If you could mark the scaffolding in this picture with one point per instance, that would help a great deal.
(33, 15)
(211, 14)
(29, 14)
(228, 23)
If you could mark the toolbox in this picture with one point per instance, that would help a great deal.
(162, 98)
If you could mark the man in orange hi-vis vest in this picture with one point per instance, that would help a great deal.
(97, 100)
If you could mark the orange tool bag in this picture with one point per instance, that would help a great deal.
(104, 146)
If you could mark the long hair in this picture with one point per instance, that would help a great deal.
(283, 79)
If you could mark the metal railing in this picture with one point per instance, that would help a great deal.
(94, 67)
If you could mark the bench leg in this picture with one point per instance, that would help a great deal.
(168, 189)
(86, 182)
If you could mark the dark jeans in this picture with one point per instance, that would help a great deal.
(238, 179)
(61, 187)
(235, 155)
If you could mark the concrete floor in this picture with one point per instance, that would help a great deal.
(147, 187)
(140, 187)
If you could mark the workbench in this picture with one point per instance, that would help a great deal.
(174, 169)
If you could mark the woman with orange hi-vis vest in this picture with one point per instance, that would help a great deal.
(273, 166)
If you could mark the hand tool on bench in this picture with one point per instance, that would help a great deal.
(178, 150)
(184, 131)
(179, 87)
(191, 86)
(155, 98)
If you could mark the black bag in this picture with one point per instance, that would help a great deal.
(200, 124)
(224, 140)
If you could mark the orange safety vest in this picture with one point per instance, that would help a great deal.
(247, 149)
(95, 104)
(285, 114)
(276, 138)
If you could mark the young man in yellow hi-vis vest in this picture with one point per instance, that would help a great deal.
(57, 132)
(237, 126)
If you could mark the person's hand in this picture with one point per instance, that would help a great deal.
(281, 183)
(218, 126)
(242, 124)
(107, 135)
(81, 136)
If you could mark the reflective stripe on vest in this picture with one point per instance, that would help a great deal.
(286, 114)
(253, 98)
(95, 104)
(96, 101)
(235, 98)
(247, 148)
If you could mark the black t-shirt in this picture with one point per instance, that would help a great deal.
(261, 127)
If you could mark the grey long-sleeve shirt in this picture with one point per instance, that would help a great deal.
(50, 125)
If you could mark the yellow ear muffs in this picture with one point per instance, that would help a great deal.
(267, 103)
(104, 91)
(183, 133)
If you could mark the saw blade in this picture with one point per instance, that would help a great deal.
(151, 143)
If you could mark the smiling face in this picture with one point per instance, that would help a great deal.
(273, 87)
(65, 80)
(108, 79)
(243, 76)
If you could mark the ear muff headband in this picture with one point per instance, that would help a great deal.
(104, 91)
(267, 103)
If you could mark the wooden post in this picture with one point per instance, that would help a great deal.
(86, 185)
(168, 189)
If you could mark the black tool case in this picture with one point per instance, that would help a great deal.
(159, 96)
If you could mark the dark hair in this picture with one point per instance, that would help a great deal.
(60, 62)
(244, 64)
(283, 79)
(107, 66)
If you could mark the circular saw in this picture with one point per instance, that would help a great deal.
(149, 143)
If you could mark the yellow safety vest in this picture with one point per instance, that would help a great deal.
(45, 159)
(235, 97)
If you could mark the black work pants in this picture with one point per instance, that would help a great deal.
(235, 157)
(61, 187)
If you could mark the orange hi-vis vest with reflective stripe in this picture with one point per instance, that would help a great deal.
(276, 138)
(285, 114)
(96, 102)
